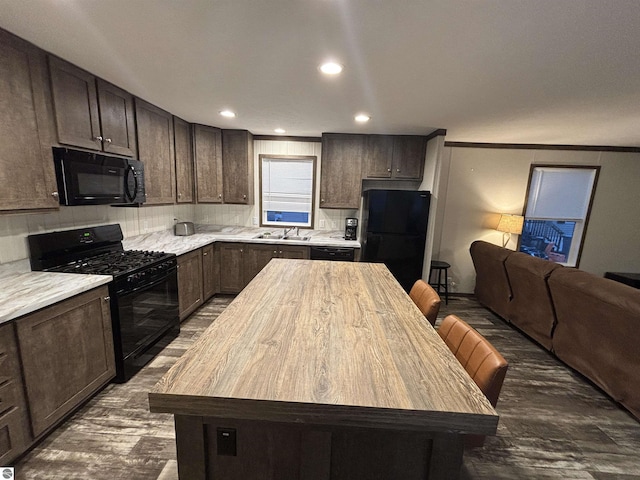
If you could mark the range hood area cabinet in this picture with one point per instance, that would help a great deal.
(26, 128)
(91, 113)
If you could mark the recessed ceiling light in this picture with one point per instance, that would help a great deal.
(331, 68)
(227, 113)
(280, 130)
(362, 118)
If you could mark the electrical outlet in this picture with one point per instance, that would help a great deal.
(322, 224)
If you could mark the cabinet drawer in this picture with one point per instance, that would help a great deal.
(14, 436)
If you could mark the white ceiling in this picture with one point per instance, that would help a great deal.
(506, 71)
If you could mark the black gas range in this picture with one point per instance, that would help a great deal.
(143, 294)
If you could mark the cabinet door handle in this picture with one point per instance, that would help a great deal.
(275, 252)
(108, 140)
(205, 253)
(54, 194)
(322, 200)
(398, 170)
(219, 195)
(179, 195)
(107, 298)
(98, 138)
(244, 197)
(388, 169)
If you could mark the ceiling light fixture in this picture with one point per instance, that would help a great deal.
(227, 113)
(280, 130)
(331, 68)
(362, 118)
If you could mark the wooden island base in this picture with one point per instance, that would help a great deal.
(278, 451)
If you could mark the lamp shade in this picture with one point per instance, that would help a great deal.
(510, 224)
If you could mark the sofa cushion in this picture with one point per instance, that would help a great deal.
(530, 308)
(598, 332)
(492, 285)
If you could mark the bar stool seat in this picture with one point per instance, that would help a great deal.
(439, 284)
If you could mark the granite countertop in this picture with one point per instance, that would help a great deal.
(166, 241)
(23, 291)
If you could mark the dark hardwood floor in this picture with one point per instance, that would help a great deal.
(553, 423)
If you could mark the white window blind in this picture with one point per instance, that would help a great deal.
(560, 193)
(287, 186)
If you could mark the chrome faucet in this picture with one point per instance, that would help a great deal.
(287, 230)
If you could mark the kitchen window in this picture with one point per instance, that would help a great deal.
(287, 190)
(557, 211)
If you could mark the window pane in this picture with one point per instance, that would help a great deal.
(548, 239)
(287, 190)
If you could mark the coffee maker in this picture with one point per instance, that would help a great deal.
(351, 229)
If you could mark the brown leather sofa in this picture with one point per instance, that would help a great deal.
(492, 284)
(531, 308)
(598, 332)
(588, 322)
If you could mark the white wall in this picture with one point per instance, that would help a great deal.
(483, 182)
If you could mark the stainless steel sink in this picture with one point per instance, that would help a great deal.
(299, 239)
(270, 236)
(274, 236)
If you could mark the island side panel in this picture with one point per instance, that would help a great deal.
(273, 451)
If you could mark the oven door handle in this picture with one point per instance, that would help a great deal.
(146, 286)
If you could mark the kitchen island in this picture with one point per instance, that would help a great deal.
(321, 370)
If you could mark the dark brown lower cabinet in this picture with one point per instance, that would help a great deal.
(231, 267)
(210, 271)
(14, 420)
(67, 355)
(189, 282)
(241, 262)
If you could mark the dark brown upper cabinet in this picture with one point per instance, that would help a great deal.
(26, 128)
(399, 157)
(184, 160)
(156, 151)
(89, 112)
(237, 166)
(207, 143)
(341, 170)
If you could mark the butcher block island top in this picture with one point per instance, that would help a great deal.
(325, 344)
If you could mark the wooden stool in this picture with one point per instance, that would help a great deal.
(440, 268)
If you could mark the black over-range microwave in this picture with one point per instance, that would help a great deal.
(86, 178)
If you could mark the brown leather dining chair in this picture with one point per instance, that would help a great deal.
(426, 299)
(484, 364)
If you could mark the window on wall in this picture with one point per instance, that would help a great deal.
(287, 190)
(558, 204)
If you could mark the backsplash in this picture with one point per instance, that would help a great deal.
(134, 221)
(244, 216)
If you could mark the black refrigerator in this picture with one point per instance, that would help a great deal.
(395, 231)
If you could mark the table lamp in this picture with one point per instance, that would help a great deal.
(509, 224)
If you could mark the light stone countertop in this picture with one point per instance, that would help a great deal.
(166, 241)
(23, 291)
